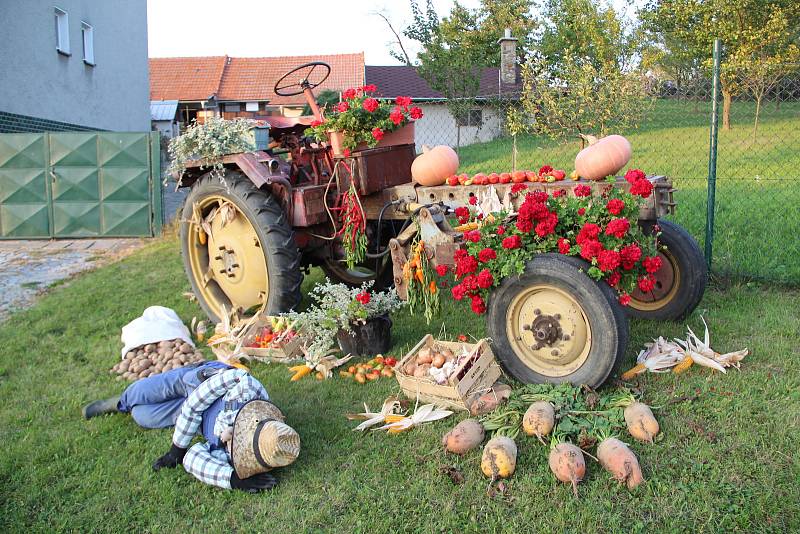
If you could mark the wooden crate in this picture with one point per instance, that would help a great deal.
(475, 375)
(284, 353)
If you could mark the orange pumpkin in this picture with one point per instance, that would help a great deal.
(602, 158)
(434, 165)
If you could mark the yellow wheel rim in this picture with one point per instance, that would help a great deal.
(668, 280)
(548, 330)
(230, 269)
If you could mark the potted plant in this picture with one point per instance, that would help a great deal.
(360, 121)
(354, 317)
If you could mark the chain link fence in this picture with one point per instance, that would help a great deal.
(756, 232)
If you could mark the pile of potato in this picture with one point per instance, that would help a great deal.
(153, 359)
(419, 366)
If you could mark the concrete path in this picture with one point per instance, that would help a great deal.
(27, 268)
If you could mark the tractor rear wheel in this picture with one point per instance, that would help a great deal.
(249, 259)
(681, 281)
(555, 324)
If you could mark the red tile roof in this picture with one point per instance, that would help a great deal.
(185, 78)
(245, 79)
(401, 80)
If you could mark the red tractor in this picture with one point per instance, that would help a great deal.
(280, 220)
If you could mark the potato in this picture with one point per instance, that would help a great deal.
(438, 360)
(127, 375)
(182, 358)
(130, 354)
(464, 437)
(149, 347)
(158, 368)
(186, 348)
(123, 365)
(424, 356)
(166, 344)
(168, 354)
(145, 373)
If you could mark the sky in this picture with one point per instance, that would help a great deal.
(252, 28)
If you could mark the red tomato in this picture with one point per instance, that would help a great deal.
(391, 362)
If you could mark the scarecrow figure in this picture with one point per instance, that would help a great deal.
(245, 436)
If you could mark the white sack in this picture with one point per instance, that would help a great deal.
(157, 323)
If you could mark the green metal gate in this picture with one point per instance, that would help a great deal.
(81, 184)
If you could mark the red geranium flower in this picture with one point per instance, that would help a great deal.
(341, 107)
(478, 305)
(630, 255)
(646, 283)
(472, 235)
(615, 206)
(582, 190)
(462, 213)
(545, 169)
(371, 88)
(608, 260)
(460, 254)
(643, 188)
(458, 292)
(363, 298)
(404, 101)
(563, 246)
(618, 227)
(396, 116)
(516, 188)
(590, 249)
(466, 265)
(346, 152)
(589, 232)
(349, 94)
(581, 211)
(652, 264)
(634, 175)
(624, 299)
(485, 279)
(614, 278)
(370, 104)
(377, 133)
(415, 112)
(487, 254)
(548, 226)
(524, 224)
(442, 270)
(501, 230)
(540, 196)
(559, 193)
(473, 200)
(512, 242)
(316, 123)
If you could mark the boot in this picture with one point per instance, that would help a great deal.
(101, 407)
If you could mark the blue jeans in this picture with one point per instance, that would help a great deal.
(155, 401)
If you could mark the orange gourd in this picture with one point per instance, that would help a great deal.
(602, 157)
(434, 165)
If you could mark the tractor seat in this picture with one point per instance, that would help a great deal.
(278, 122)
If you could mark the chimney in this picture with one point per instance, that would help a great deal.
(508, 58)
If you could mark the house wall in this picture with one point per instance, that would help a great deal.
(47, 88)
(438, 127)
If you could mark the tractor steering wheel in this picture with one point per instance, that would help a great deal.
(303, 80)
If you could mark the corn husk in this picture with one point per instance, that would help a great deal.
(370, 418)
(423, 414)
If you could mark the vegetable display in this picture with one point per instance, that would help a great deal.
(464, 437)
(499, 458)
(434, 165)
(421, 281)
(354, 227)
(546, 174)
(377, 367)
(617, 458)
(567, 464)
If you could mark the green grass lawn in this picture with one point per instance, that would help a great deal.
(728, 460)
(757, 195)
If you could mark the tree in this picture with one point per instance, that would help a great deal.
(325, 99)
(692, 26)
(586, 99)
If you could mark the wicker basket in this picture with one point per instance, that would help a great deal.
(475, 375)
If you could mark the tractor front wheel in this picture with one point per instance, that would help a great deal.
(555, 324)
(681, 281)
(238, 248)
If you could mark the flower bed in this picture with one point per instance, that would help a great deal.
(599, 229)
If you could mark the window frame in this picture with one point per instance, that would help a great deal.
(88, 29)
(62, 31)
(471, 118)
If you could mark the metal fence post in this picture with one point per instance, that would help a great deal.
(712, 157)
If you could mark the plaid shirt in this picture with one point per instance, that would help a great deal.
(212, 465)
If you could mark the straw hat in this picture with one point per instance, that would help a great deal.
(261, 440)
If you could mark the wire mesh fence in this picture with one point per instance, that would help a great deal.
(757, 225)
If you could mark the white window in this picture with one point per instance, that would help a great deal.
(251, 106)
(88, 43)
(62, 31)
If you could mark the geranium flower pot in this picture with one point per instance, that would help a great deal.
(402, 136)
(367, 339)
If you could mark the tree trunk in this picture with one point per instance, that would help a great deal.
(514, 153)
(758, 111)
(458, 138)
(726, 109)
